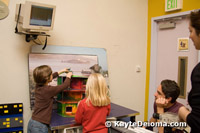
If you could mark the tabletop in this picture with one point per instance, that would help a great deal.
(117, 111)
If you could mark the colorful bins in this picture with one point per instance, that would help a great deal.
(11, 118)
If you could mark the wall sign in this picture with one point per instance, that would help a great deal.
(183, 44)
(171, 5)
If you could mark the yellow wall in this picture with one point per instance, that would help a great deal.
(157, 8)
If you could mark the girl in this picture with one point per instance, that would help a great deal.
(93, 110)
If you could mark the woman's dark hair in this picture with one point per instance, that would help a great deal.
(171, 89)
(41, 74)
(195, 20)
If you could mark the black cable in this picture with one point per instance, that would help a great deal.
(16, 29)
(45, 44)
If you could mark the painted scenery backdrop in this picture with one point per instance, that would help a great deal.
(78, 64)
(59, 57)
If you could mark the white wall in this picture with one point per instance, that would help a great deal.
(119, 26)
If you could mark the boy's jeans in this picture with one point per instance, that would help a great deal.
(36, 127)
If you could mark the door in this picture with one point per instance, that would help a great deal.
(166, 54)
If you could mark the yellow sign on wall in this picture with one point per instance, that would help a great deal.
(183, 44)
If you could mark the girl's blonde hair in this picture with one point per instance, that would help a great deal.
(97, 91)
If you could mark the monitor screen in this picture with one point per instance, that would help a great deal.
(41, 16)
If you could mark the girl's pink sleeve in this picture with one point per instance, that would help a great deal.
(79, 113)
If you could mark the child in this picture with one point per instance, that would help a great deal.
(93, 110)
(44, 94)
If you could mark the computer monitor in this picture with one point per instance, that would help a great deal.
(36, 17)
